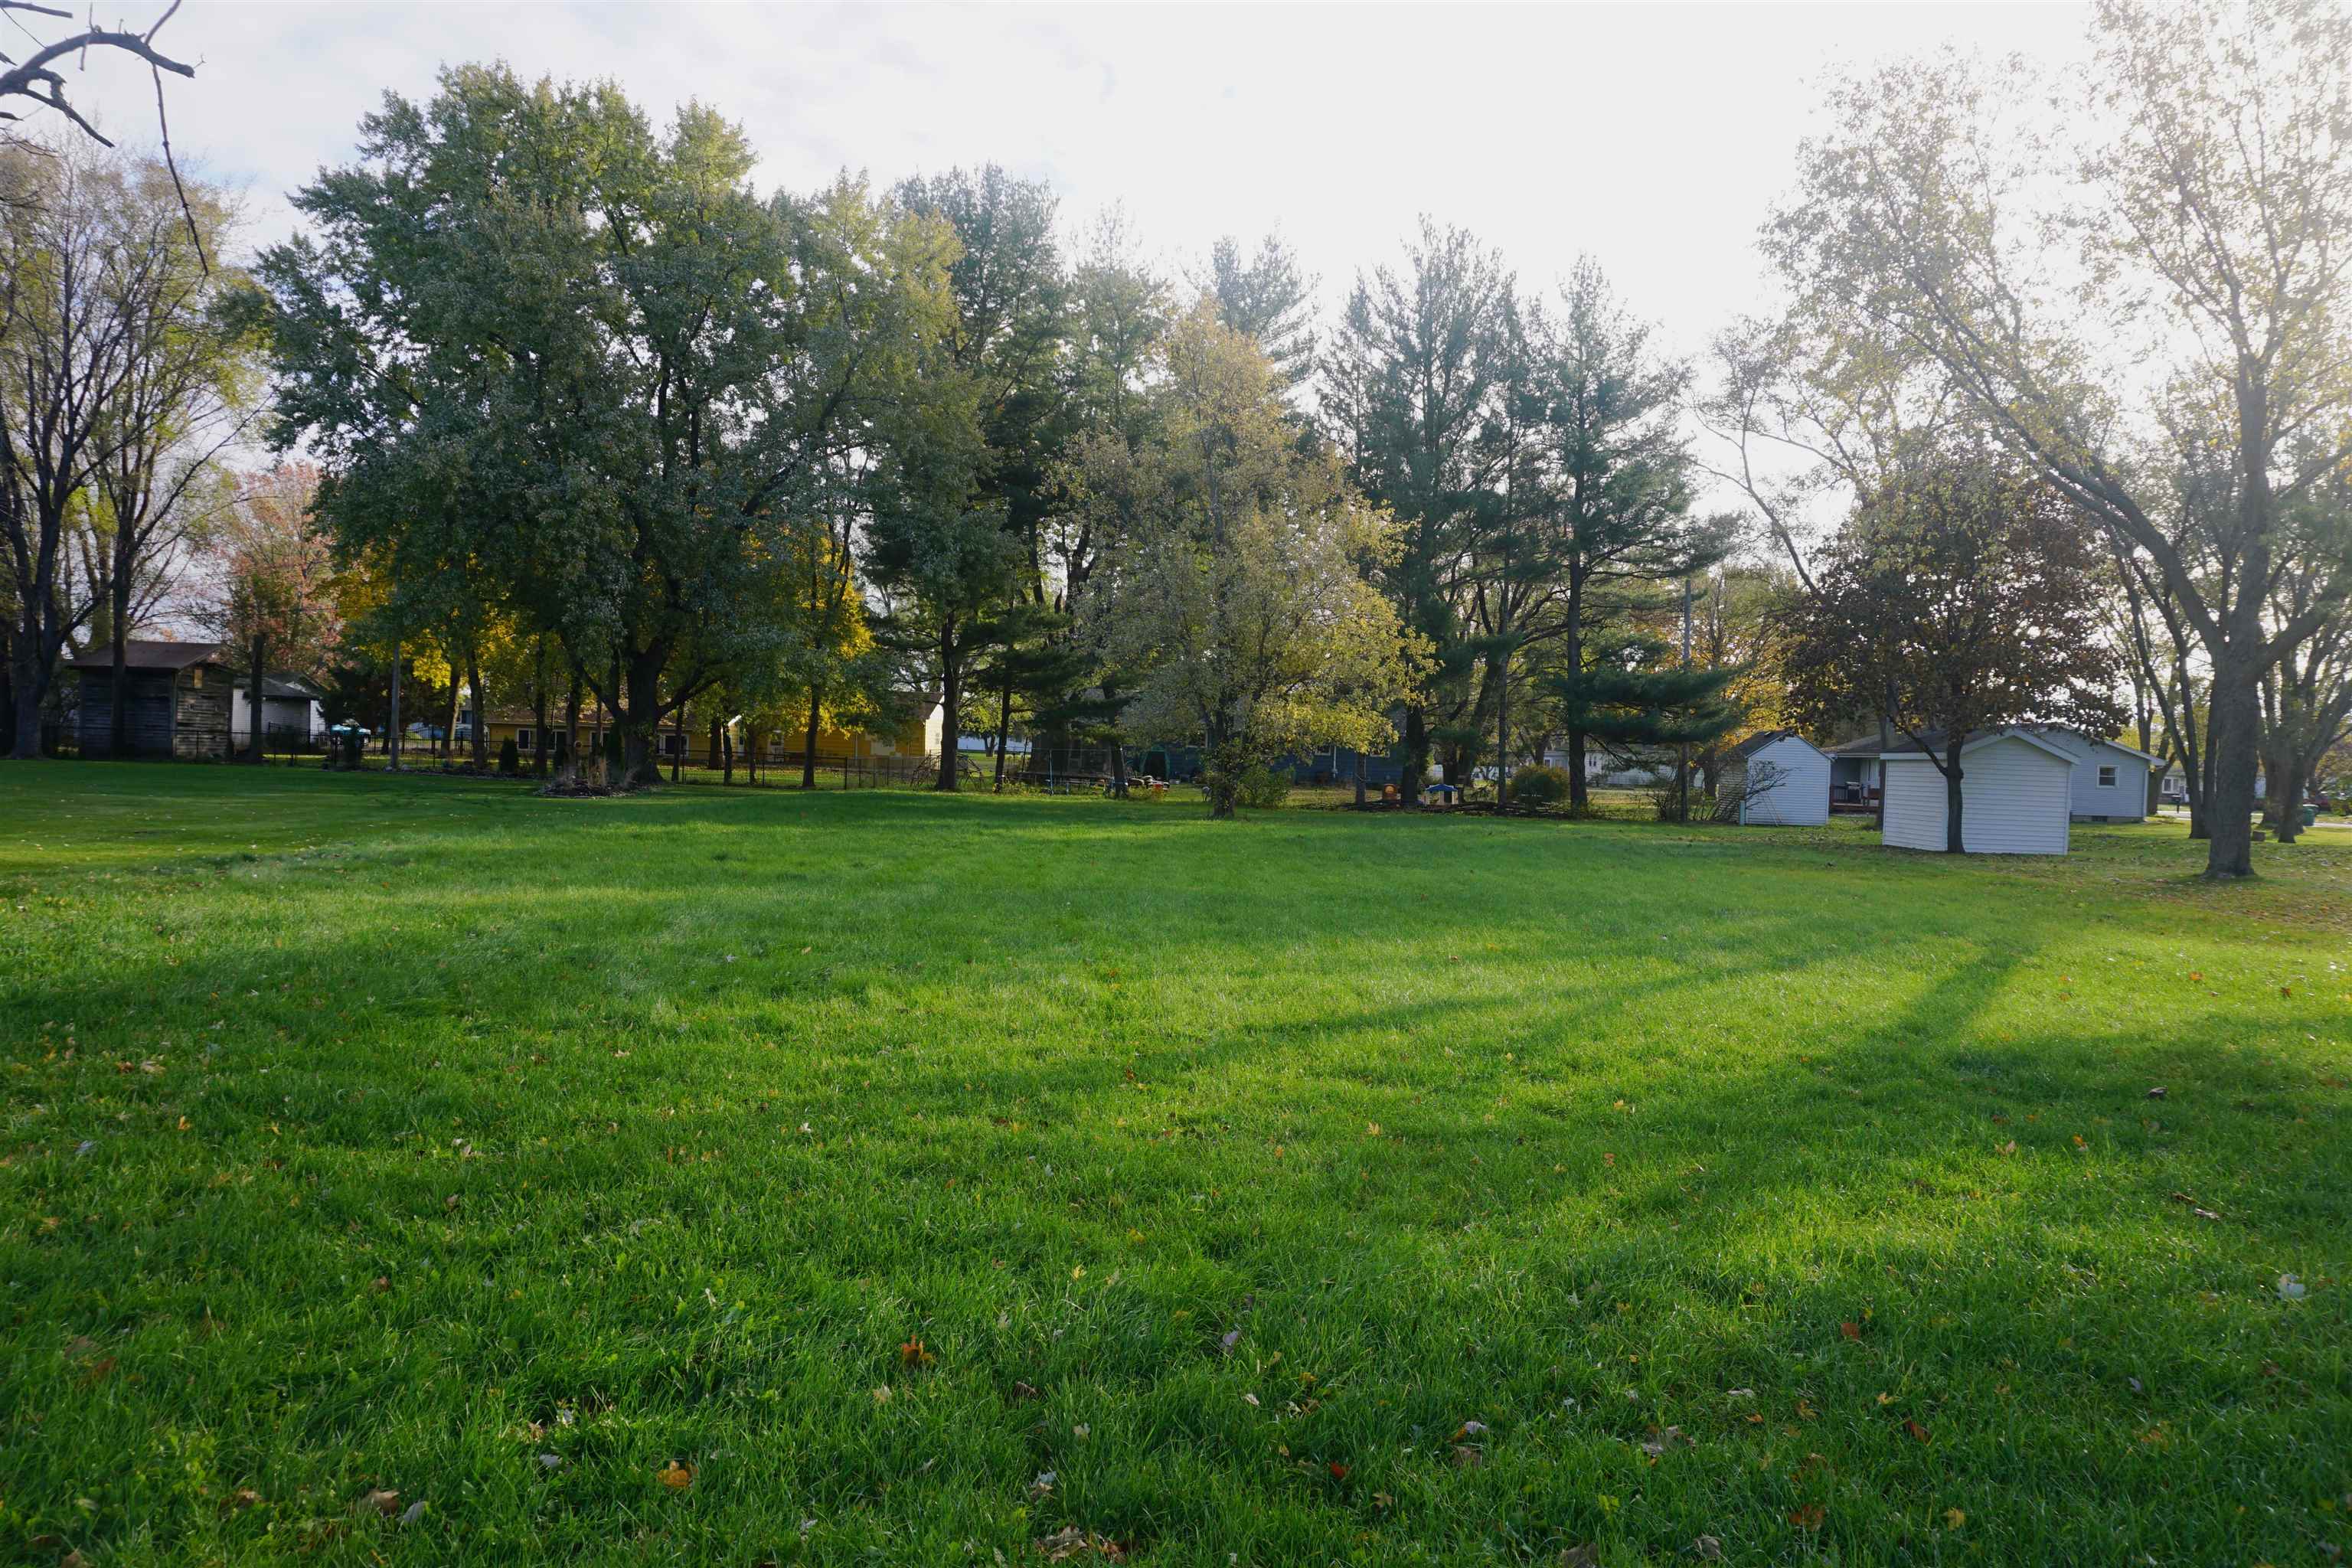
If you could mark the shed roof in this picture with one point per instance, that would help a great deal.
(1761, 739)
(138, 654)
(1907, 749)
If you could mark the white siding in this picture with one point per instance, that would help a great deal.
(2124, 800)
(1802, 797)
(2013, 795)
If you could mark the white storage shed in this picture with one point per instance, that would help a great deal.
(1791, 780)
(2016, 795)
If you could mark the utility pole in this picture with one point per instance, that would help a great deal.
(394, 742)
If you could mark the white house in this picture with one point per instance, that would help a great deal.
(2110, 778)
(2016, 794)
(1791, 780)
(288, 709)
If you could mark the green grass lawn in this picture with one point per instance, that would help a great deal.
(921, 1180)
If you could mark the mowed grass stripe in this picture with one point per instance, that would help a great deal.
(1569, 1132)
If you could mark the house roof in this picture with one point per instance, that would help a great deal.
(1761, 739)
(141, 655)
(1905, 747)
(279, 686)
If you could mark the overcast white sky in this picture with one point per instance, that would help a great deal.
(1653, 136)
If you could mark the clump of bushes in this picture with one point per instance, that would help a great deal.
(1539, 786)
(510, 757)
(1261, 788)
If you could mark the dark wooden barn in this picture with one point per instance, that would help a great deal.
(177, 695)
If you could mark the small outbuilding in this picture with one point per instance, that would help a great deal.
(176, 694)
(2111, 779)
(2016, 794)
(1775, 776)
(291, 713)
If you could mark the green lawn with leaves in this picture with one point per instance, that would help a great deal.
(415, 1171)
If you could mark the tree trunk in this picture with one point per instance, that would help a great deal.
(1004, 726)
(26, 688)
(539, 714)
(1222, 775)
(253, 707)
(808, 741)
(448, 746)
(639, 767)
(117, 718)
(951, 708)
(2278, 804)
(1118, 770)
(1955, 840)
(2234, 742)
(1360, 778)
(1416, 754)
(1503, 731)
(571, 759)
(481, 727)
(727, 739)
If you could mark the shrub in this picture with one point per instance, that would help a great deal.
(1262, 788)
(510, 757)
(1539, 786)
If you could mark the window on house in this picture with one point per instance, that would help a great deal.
(2107, 777)
(522, 740)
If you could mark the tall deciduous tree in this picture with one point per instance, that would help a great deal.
(1964, 598)
(532, 335)
(96, 279)
(276, 604)
(2195, 259)
(960, 518)
(1234, 587)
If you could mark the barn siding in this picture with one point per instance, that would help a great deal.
(1801, 798)
(150, 700)
(2014, 801)
(200, 725)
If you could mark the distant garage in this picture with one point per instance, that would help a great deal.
(1778, 777)
(2016, 795)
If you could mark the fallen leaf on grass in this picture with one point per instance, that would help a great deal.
(1071, 1541)
(913, 1353)
(1954, 1518)
(1672, 1437)
(1808, 1517)
(1918, 1431)
(1580, 1557)
(675, 1475)
(2290, 1289)
(2193, 1208)
(412, 1512)
(1708, 1548)
(1466, 1457)
(1851, 1330)
(381, 1501)
(1023, 1391)
(2006, 1150)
